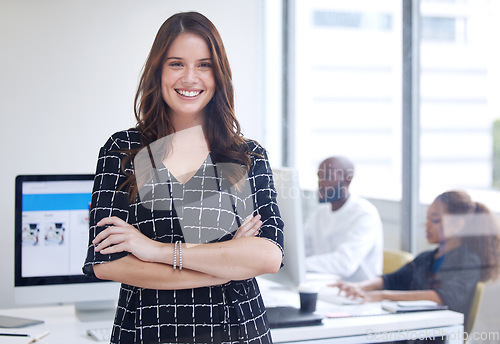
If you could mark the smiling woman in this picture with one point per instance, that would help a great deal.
(184, 209)
(187, 81)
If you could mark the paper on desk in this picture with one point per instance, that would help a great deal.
(338, 315)
(412, 306)
(361, 310)
(15, 340)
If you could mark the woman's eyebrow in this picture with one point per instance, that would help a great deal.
(180, 58)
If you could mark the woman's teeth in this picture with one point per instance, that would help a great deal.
(188, 93)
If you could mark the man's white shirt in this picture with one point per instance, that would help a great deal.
(347, 242)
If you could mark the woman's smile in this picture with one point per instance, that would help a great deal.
(189, 94)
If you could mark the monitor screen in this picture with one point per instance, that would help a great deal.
(51, 240)
(293, 272)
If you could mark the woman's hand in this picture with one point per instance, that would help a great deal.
(354, 290)
(123, 237)
(249, 227)
(350, 290)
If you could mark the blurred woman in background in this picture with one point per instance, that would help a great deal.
(468, 237)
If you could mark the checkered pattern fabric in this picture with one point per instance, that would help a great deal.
(198, 211)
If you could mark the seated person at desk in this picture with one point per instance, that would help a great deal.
(344, 236)
(468, 237)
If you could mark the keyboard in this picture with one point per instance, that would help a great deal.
(100, 334)
(331, 295)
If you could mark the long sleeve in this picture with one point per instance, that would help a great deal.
(264, 196)
(107, 197)
(455, 282)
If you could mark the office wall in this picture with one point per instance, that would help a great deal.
(69, 71)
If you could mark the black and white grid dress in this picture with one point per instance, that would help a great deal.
(171, 211)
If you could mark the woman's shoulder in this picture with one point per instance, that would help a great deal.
(259, 161)
(255, 148)
(464, 256)
(123, 140)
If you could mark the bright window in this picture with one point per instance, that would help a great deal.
(459, 83)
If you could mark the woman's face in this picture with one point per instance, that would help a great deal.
(187, 79)
(434, 224)
(441, 225)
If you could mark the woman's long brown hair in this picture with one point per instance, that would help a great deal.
(221, 128)
(481, 233)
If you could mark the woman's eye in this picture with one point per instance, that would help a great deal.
(206, 65)
(435, 221)
(175, 64)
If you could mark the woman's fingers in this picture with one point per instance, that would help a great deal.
(106, 233)
(353, 292)
(112, 220)
(249, 227)
(110, 240)
(247, 220)
(116, 225)
(113, 249)
(251, 222)
(102, 235)
(350, 292)
(253, 226)
(121, 236)
(347, 289)
(118, 231)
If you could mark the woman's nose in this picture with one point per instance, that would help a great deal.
(189, 75)
(427, 224)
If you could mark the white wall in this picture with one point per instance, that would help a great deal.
(69, 71)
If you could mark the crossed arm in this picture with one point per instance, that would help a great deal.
(150, 263)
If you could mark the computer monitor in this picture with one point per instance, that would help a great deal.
(51, 240)
(293, 272)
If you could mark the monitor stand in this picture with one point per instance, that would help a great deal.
(95, 310)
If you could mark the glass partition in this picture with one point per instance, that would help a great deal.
(459, 103)
(347, 97)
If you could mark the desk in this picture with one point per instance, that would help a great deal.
(61, 321)
(362, 328)
(65, 328)
(376, 329)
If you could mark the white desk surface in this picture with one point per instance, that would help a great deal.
(362, 327)
(65, 328)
